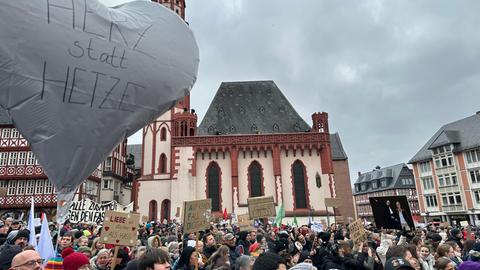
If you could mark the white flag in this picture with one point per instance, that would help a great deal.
(45, 245)
(32, 241)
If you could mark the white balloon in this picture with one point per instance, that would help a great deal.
(77, 77)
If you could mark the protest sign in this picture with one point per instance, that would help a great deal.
(78, 77)
(120, 228)
(245, 223)
(89, 211)
(261, 207)
(464, 223)
(445, 224)
(317, 227)
(333, 202)
(357, 231)
(196, 215)
(392, 212)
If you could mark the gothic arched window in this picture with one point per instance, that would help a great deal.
(152, 210)
(299, 185)
(255, 179)
(163, 134)
(213, 186)
(162, 166)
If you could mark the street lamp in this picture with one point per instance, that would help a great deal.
(427, 214)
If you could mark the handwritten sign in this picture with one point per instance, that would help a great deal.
(196, 215)
(79, 77)
(464, 223)
(333, 202)
(357, 231)
(261, 207)
(317, 227)
(120, 228)
(89, 211)
(245, 223)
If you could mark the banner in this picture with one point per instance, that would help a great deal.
(89, 211)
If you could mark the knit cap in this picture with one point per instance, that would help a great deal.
(303, 266)
(7, 255)
(74, 261)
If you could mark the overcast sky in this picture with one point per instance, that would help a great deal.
(389, 73)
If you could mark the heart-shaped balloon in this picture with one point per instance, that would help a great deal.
(77, 77)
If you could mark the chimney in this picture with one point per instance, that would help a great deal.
(359, 173)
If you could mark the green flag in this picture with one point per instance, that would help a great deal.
(295, 222)
(280, 215)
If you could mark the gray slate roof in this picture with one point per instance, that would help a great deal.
(338, 153)
(136, 151)
(250, 107)
(392, 174)
(464, 134)
(5, 118)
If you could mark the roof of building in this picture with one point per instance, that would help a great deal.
(136, 151)
(5, 118)
(250, 107)
(464, 134)
(393, 176)
(338, 153)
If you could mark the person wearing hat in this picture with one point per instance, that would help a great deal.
(456, 236)
(76, 261)
(15, 225)
(235, 251)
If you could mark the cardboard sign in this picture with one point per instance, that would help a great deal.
(357, 231)
(333, 202)
(445, 224)
(120, 228)
(196, 215)
(245, 223)
(464, 223)
(261, 207)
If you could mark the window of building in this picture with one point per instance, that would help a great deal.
(162, 166)
(30, 187)
(431, 200)
(451, 198)
(449, 179)
(3, 183)
(152, 210)
(299, 183)
(3, 158)
(12, 158)
(48, 187)
(107, 183)
(39, 186)
(163, 134)
(21, 158)
(473, 156)
(14, 134)
(255, 179)
(425, 167)
(363, 187)
(475, 176)
(213, 186)
(374, 184)
(383, 183)
(5, 133)
(427, 183)
(108, 164)
(444, 160)
(30, 158)
(12, 187)
(21, 187)
(476, 194)
(407, 181)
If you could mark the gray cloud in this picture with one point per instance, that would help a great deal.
(389, 73)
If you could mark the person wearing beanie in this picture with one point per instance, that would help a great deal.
(456, 236)
(469, 265)
(21, 238)
(76, 261)
(303, 266)
(7, 255)
(269, 261)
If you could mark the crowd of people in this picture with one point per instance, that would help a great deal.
(163, 246)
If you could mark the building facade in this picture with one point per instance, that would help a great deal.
(447, 173)
(397, 180)
(250, 143)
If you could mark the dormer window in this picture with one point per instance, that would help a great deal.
(363, 187)
(383, 183)
(374, 184)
